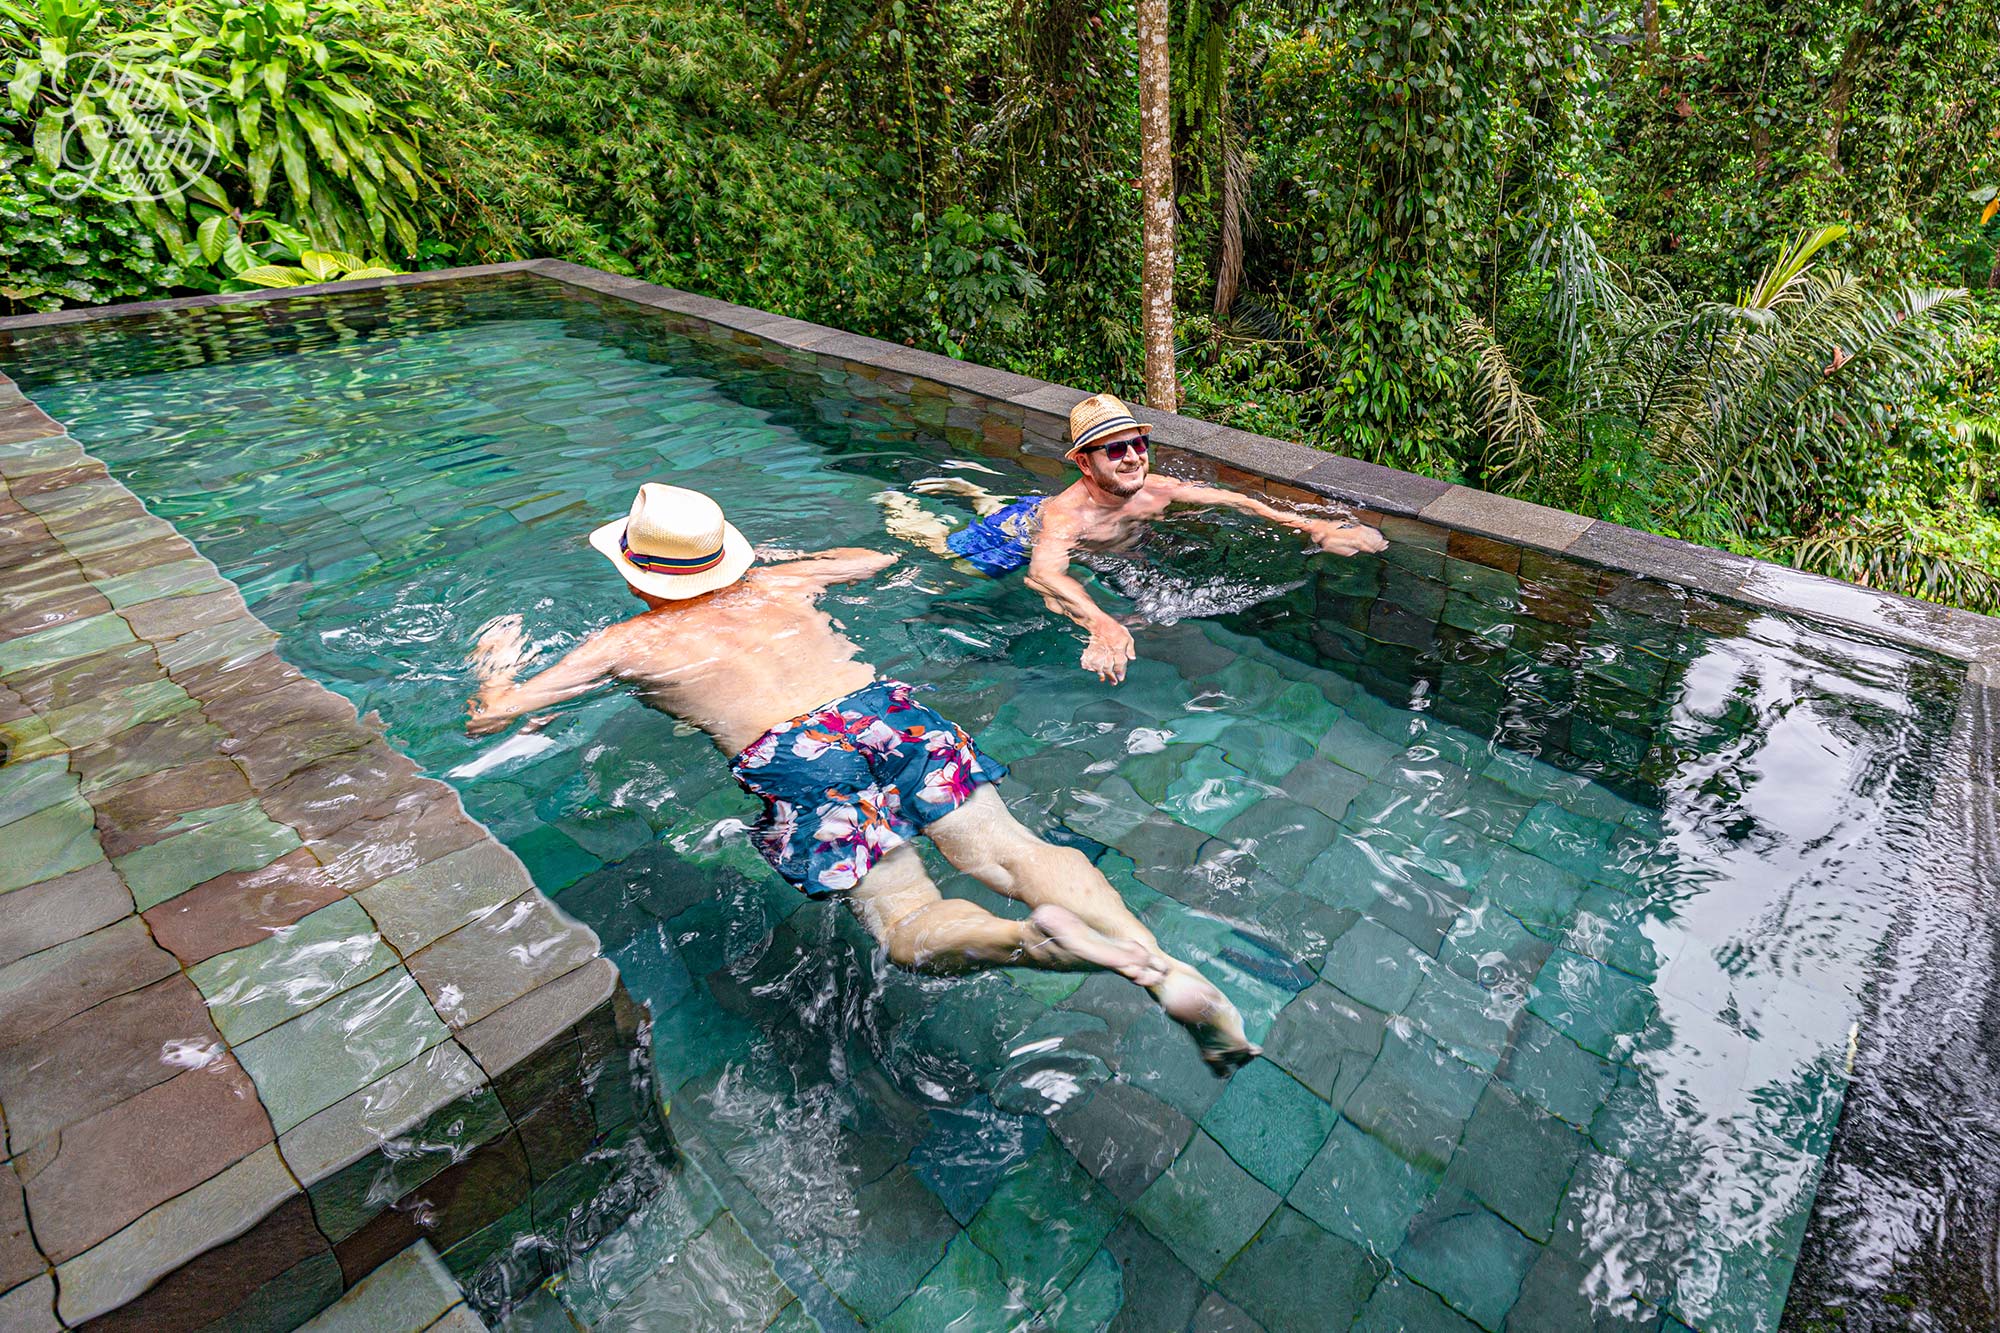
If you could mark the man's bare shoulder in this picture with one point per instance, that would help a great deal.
(1160, 486)
(1064, 510)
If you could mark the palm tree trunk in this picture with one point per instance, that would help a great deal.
(1156, 196)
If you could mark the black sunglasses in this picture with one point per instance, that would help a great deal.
(1116, 449)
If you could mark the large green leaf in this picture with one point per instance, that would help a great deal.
(49, 139)
(259, 164)
(321, 136)
(27, 81)
(273, 275)
(213, 237)
(292, 150)
(250, 121)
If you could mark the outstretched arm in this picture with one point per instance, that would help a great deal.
(841, 564)
(1110, 645)
(1337, 538)
(499, 656)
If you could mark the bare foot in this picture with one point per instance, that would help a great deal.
(1070, 937)
(959, 486)
(1193, 1001)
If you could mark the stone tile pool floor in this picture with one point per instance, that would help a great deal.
(1545, 1052)
(1509, 1085)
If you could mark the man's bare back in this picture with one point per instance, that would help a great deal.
(735, 662)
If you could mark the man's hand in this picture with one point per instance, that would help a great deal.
(1344, 538)
(498, 654)
(1109, 649)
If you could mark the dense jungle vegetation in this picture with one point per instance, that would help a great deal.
(1725, 269)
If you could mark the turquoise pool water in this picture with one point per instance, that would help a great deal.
(1553, 896)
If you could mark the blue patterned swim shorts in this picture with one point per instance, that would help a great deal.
(1002, 542)
(844, 785)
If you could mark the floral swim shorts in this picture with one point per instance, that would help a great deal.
(845, 784)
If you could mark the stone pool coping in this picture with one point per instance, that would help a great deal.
(192, 829)
(1416, 507)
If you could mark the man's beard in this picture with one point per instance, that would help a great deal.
(1125, 488)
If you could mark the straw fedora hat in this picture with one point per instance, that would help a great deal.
(674, 544)
(1096, 417)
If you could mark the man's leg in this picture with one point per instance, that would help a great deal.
(927, 932)
(984, 502)
(908, 521)
(983, 839)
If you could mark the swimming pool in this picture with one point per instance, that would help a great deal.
(1554, 895)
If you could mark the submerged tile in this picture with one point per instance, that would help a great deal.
(721, 1282)
(419, 906)
(1417, 1098)
(30, 1307)
(411, 1291)
(1327, 1041)
(144, 810)
(119, 710)
(900, 1233)
(1205, 1208)
(219, 1208)
(233, 837)
(103, 1172)
(58, 910)
(1295, 1275)
(1269, 1123)
(76, 638)
(53, 841)
(1374, 965)
(1517, 1160)
(29, 787)
(358, 1125)
(47, 988)
(1401, 1306)
(1468, 1256)
(520, 945)
(347, 1043)
(1044, 1221)
(115, 1050)
(1359, 1189)
(253, 989)
(241, 907)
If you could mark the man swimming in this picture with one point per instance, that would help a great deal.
(850, 767)
(1105, 509)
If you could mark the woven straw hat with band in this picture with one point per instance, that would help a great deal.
(1096, 418)
(674, 544)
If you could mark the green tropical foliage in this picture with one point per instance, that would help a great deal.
(1719, 268)
(215, 116)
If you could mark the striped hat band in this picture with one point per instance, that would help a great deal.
(1108, 426)
(667, 564)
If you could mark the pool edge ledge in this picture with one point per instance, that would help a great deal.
(140, 1197)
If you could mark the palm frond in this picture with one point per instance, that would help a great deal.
(1522, 450)
(1892, 558)
(1788, 269)
(1977, 432)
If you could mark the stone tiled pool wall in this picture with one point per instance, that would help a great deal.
(272, 1008)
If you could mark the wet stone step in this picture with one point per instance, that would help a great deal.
(198, 1016)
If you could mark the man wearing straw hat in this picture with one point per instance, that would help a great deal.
(850, 767)
(1105, 509)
